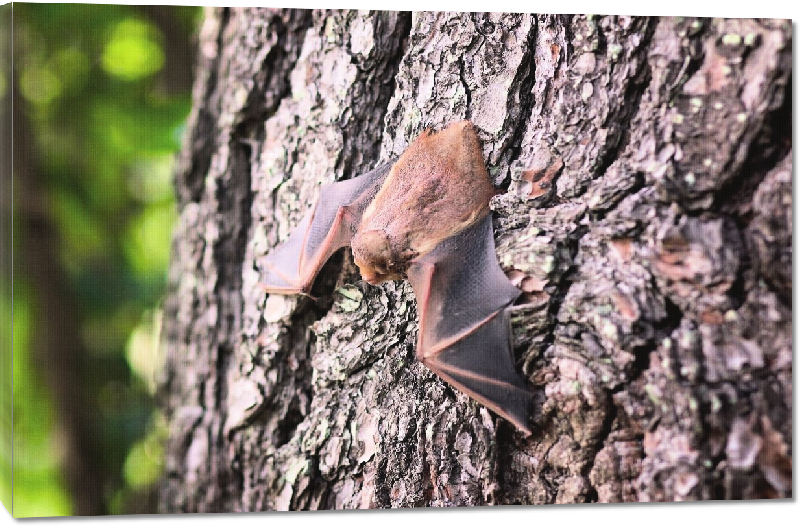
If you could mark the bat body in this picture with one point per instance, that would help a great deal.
(425, 217)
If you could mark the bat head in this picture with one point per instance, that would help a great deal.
(377, 257)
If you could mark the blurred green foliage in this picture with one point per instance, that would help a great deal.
(106, 128)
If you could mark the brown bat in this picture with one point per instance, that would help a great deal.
(425, 217)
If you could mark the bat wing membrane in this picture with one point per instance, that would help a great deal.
(464, 337)
(330, 224)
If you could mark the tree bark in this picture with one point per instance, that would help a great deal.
(647, 216)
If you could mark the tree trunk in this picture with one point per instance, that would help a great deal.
(647, 216)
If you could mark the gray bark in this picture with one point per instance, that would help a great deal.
(647, 218)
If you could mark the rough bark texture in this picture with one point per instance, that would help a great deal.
(647, 217)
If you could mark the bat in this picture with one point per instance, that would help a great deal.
(424, 217)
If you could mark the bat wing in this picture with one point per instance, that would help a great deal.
(330, 224)
(464, 330)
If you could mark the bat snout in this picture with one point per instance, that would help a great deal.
(376, 276)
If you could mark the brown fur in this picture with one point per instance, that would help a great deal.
(438, 187)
